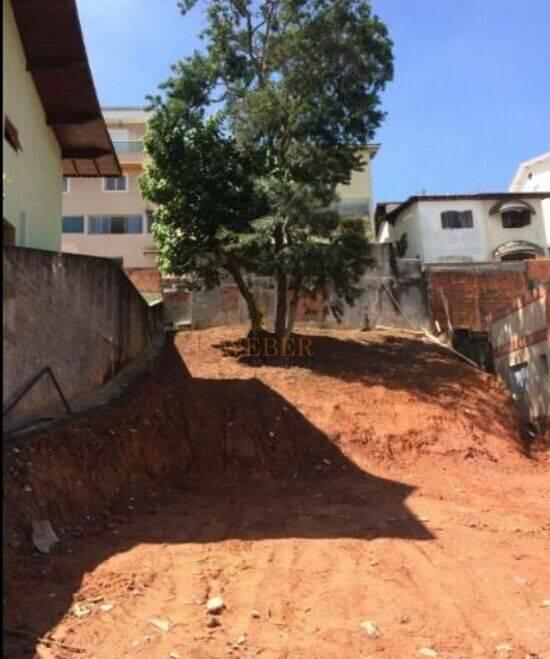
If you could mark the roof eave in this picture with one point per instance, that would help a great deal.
(54, 48)
(481, 196)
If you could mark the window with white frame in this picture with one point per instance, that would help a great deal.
(109, 224)
(65, 184)
(116, 183)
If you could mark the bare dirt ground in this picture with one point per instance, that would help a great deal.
(379, 480)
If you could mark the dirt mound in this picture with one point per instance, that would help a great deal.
(78, 466)
(371, 479)
(385, 397)
(204, 416)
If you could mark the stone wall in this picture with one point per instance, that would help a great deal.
(79, 315)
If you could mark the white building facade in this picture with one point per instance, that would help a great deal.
(534, 176)
(466, 228)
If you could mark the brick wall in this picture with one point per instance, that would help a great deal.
(520, 335)
(146, 280)
(538, 270)
(472, 292)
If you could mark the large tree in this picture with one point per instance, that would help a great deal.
(296, 85)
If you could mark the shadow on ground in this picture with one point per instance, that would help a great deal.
(210, 444)
(422, 369)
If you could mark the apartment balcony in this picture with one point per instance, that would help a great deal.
(129, 152)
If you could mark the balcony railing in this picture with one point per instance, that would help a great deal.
(128, 146)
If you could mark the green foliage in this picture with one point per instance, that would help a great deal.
(203, 190)
(296, 86)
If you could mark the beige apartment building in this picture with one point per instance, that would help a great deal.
(108, 217)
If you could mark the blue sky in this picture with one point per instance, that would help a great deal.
(470, 97)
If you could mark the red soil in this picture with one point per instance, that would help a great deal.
(379, 479)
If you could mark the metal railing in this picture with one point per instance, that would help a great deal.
(16, 397)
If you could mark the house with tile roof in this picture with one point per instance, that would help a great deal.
(455, 228)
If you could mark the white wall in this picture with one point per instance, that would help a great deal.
(444, 245)
(497, 235)
(534, 176)
(428, 240)
(409, 223)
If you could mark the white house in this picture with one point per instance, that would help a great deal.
(469, 227)
(534, 176)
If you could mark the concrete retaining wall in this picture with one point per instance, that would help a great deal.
(80, 315)
(387, 281)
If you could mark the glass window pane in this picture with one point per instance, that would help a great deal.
(72, 224)
(115, 183)
(134, 224)
(98, 224)
(118, 224)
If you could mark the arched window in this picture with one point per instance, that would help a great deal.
(514, 213)
(515, 218)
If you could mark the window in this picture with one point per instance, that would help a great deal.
(115, 184)
(519, 377)
(150, 220)
(544, 364)
(65, 184)
(457, 219)
(11, 135)
(72, 224)
(115, 224)
(515, 219)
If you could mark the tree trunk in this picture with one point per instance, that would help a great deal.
(293, 307)
(280, 318)
(254, 314)
(282, 286)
